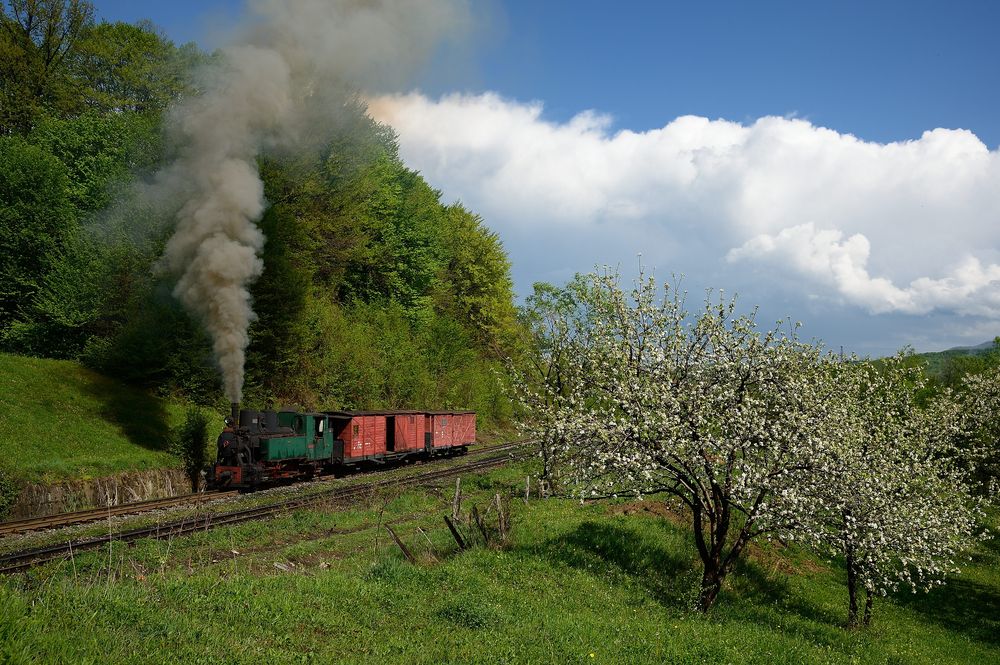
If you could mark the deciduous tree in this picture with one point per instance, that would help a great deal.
(36, 38)
(36, 218)
(897, 502)
(637, 396)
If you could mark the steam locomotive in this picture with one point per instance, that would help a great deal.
(258, 448)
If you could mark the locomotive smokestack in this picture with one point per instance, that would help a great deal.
(235, 406)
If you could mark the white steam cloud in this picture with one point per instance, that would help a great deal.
(271, 89)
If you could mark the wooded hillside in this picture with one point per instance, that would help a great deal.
(374, 292)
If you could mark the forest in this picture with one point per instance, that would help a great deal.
(374, 292)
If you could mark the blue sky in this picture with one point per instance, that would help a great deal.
(877, 242)
(883, 71)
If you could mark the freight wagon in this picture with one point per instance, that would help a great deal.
(266, 447)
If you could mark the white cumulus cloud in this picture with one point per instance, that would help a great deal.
(907, 227)
(969, 288)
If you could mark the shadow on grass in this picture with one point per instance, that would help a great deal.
(593, 545)
(666, 567)
(961, 606)
(988, 552)
(142, 418)
(763, 588)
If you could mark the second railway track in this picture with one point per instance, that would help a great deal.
(136, 507)
(95, 514)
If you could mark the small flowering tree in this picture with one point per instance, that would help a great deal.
(558, 321)
(707, 408)
(979, 398)
(897, 503)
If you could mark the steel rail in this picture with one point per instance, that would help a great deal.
(94, 514)
(25, 559)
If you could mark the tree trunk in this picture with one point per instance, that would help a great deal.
(869, 600)
(716, 566)
(711, 584)
(852, 590)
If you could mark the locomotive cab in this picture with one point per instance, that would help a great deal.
(226, 448)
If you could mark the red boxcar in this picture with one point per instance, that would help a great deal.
(407, 428)
(368, 434)
(451, 428)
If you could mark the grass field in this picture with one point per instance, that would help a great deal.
(62, 421)
(601, 583)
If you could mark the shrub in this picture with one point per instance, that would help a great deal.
(9, 491)
(190, 444)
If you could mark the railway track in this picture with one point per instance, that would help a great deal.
(137, 507)
(95, 514)
(25, 559)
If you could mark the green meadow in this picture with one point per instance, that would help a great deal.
(609, 582)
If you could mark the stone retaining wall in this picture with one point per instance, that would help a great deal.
(37, 500)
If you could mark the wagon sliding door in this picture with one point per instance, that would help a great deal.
(390, 434)
(409, 432)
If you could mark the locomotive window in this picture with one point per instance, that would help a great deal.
(319, 427)
(298, 423)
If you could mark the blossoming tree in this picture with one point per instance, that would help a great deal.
(897, 502)
(706, 407)
(979, 398)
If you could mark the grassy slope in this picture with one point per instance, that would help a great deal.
(582, 584)
(59, 420)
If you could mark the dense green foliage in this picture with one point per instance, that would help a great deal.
(190, 443)
(56, 61)
(9, 491)
(38, 43)
(374, 293)
(599, 583)
(36, 219)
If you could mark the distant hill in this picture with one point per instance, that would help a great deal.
(939, 363)
(978, 348)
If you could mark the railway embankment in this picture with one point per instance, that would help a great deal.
(41, 499)
(72, 439)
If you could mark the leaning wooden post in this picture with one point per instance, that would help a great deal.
(455, 533)
(400, 543)
(479, 523)
(501, 519)
(456, 504)
(429, 543)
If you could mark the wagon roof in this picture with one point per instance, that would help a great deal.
(352, 414)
